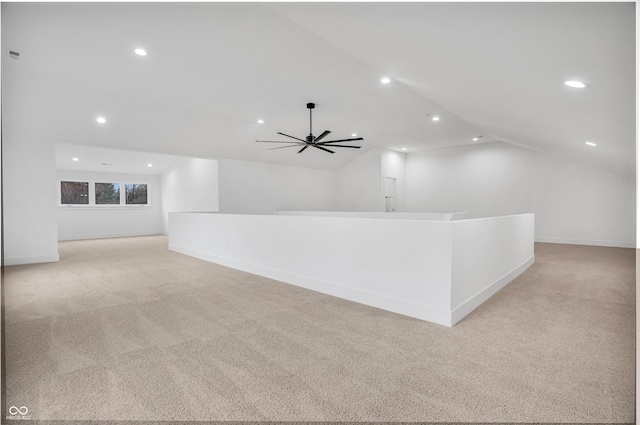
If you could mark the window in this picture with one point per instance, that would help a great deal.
(103, 195)
(107, 193)
(75, 193)
(136, 194)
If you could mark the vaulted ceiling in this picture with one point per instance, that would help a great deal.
(214, 69)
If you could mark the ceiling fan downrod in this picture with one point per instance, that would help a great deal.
(310, 137)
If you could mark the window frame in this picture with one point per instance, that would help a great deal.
(123, 194)
(74, 181)
(95, 198)
(92, 195)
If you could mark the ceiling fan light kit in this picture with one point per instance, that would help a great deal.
(311, 140)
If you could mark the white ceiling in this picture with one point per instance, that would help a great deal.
(91, 158)
(214, 69)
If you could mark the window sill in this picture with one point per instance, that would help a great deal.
(104, 207)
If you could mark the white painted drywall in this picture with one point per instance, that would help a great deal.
(2, 373)
(394, 165)
(405, 266)
(486, 252)
(573, 203)
(359, 184)
(92, 222)
(637, 211)
(355, 259)
(29, 210)
(378, 215)
(191, 184)
(262, 188)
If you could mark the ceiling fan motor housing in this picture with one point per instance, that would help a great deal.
(311, 105)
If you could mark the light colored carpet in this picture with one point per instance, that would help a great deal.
(123, 329)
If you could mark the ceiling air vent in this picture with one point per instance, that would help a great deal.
(14, 54)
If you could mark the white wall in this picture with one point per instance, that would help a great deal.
(359, 184)
(377, 215)
(637, 209)
(259, 188)
(572, 203)
(487, 254)
(394, 165)
(191, 184)
(405, 266)
(93, 222)
(29, 207)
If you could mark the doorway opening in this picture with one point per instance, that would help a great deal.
(389, 194)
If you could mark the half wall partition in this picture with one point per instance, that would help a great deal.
(434, 270)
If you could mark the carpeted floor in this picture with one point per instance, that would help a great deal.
(123, 329)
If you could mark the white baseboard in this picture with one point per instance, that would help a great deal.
(32, 259)
(407, 308)
(474, 302)
(613, 244)
(107, 235)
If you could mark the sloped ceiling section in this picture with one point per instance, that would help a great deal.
(214, 69)
(104, 160)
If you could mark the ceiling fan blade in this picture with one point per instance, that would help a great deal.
(301, 150)
(320, 147)
(341, 140)
(276, 141)
(342, 146)
(282, 147)
(323, 135)
(292, 137)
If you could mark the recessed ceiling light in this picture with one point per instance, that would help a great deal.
(354, 135)
(404, 149)
(260, 121)
(149, 165)
(475, 139)
(385, 80)
(101, 120)
(590, 143)
(435, 119)
(75, 159)
(141, 52)
(575, 84)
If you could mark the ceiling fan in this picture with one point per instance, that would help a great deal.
(312, 140)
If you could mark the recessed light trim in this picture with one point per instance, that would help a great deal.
(590, 144)
(140, 52)
(101, 120)
(385, 80)
(575, 84)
